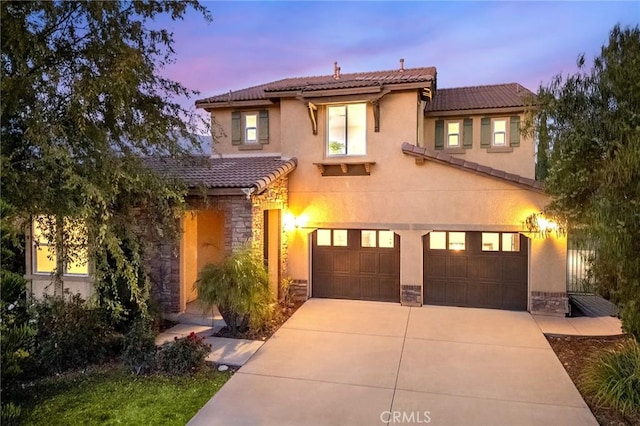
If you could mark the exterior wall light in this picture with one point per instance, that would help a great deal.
(291, 222)
(537, 223)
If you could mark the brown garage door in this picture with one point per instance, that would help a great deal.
(476, 269)
(356, 264)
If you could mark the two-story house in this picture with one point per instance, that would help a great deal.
(373, 186)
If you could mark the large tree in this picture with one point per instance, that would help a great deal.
(83, 100)
(592, 119)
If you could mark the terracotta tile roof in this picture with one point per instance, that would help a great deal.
(326, 82)
(212, 172)
(448, 159)
(480, 97)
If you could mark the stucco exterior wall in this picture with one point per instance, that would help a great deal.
(409, 198)
(520, 161)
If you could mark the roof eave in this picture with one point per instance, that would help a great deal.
(476, 111)
(208, 106)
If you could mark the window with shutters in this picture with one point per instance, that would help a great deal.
(250, 130)
(346, 130)
(454, 135)
(500, 134)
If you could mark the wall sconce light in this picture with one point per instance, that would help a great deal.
(546, 225)
(542, 226)
(291, 222)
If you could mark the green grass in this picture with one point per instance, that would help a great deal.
(113, 396)
(612, 378)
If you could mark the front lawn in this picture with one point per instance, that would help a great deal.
(109, 395)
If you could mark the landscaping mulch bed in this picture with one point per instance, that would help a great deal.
(573, 352)
(282, 314)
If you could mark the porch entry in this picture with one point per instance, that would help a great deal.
(202, 242)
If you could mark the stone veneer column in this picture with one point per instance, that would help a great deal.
(549, 303)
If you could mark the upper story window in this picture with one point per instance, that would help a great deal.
(347, 129)
(453, 134)
(502, 133)
(250, 130)
(45, 248)
(499, 132)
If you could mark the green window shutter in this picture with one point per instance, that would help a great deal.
(485, 132)
(263, 127)
(439, 134)
(467, 133)
(514, 131)
(236, 128)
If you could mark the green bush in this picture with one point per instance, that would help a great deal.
(11, 414)
(183, 356)
(16, 334)
(612, 378)
(71, 333)
(239, 287)
(139, 347)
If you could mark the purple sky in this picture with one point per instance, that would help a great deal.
(470, 43)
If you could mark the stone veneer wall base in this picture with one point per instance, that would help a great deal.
(549, 303)
(411, 295)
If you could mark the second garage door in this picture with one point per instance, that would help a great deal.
(476, 269)
(356, 264)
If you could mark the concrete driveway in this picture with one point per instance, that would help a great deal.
(339, 362)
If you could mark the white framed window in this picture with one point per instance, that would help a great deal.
(346, 130)
(453, 134)
(499, 132)
(251, 127)
(45, 250)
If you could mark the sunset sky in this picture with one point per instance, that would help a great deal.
(470, 43)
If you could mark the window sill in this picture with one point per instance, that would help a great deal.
(352, 168)
(42, 276)
(499, 149)
(454, 150)
(250, 147)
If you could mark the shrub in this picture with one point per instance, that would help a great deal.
(139, 347)
(71, 333)
(612, 378)
(11, 414)
(16, 334)
(239, 286)
(183, 356)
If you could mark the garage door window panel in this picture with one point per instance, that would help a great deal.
(511, 242)
(368, 238)
(457, 241)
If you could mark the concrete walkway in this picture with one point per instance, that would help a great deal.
(578, 326)
(365, 363)
(235, 352)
